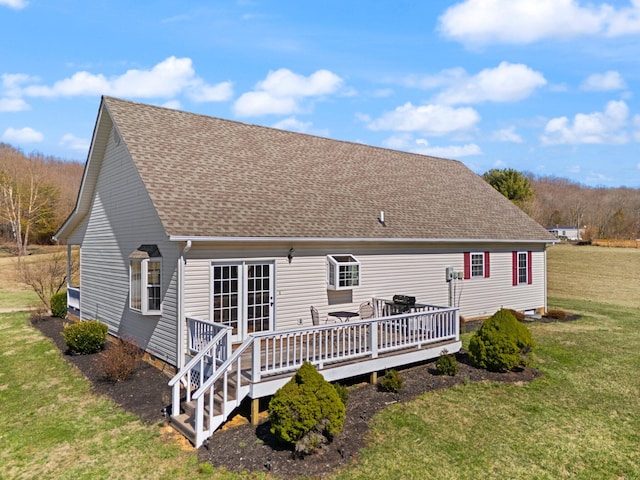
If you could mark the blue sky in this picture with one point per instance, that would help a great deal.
(544, 86)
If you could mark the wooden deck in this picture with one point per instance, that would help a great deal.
(220, 376)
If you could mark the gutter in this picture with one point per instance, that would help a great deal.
(184, 238)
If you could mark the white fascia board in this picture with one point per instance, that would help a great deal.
(181, 238)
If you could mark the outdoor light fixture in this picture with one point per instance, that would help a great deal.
(290, 256)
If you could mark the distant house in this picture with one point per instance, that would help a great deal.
(572, 233)
(187, 222)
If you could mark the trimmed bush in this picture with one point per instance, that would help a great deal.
(85, 337)
(307, 411)
(59, 304)
(391, 382)
(120, 360)
(343, 392)
(501, 344)
(447, 364)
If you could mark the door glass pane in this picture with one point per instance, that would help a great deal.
(258, 298)
(225, 295)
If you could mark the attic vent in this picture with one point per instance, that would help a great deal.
(116, 137)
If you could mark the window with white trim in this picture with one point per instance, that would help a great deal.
(477, 265)
(343, 272)
(145, 280)
(523, 267)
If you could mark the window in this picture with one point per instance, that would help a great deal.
(522, 268)
(476, 265)
(145, 273)
(343, 272)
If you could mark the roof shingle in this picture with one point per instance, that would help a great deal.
(209, 177)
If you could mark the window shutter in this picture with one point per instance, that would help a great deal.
(529, 268)
(514, 268)
(467, 265)
(486, 265)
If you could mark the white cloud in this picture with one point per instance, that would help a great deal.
(405, 141)
(450, 151)
(293, 124)
(603, 82)
(506, 135)
(427, 119)
(483, 22)
(507, 82)
(597, 127)
(172, 104)
(74, 143)
(23, 135)
(167, 79)
(13, 105)
(201, 92)
(15, 4)
(283, 92)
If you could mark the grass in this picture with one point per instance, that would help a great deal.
(579, 420)
(53, 427)
(600, 274)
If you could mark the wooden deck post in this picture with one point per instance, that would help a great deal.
(373, 378)
(255, 411)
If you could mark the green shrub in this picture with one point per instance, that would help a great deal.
(85, 337)
(120, 360)
(501, 344)
(557, 314)
(59, 304)
(307, 411)
(343, 392)
(447, 364)
(391, 382)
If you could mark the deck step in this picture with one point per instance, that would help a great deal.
(183, 423)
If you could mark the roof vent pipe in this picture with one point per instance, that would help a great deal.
(381, 218)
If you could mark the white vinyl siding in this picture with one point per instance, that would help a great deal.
(122, 218)
(386, 270)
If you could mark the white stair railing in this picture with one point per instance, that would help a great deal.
(220, 407)
(200, 368)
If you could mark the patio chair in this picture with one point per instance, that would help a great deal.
(366, 310)
(315, 316)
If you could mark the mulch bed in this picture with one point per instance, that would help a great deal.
(247, 448)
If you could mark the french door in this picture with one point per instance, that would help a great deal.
(243, 297)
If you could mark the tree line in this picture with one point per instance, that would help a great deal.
(603, 213)
(38, 192)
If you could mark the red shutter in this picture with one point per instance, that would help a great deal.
(529, 269)
(514, 268)
(486, 265)
(467, 265)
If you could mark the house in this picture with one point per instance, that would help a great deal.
(565, 232)
(193, 227)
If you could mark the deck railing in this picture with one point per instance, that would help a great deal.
(201, 332)
(275, 353)
(73, 298)
(201, 367)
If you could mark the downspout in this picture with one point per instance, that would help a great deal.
(181, 320)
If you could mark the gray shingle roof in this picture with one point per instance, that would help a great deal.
(219, 178)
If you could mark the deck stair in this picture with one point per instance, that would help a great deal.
(213, 384)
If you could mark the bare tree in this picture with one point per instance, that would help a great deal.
(45, 274)
(26, 198)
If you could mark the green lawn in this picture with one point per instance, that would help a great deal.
(53, 427)
(580, 419)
